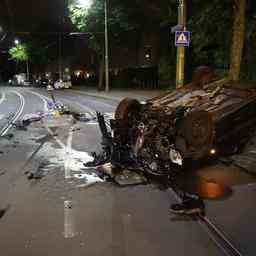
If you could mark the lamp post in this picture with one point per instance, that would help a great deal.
(86, 4)
(106, 48)
(181, 49)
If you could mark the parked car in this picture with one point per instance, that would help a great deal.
(27, 82)
(60, 84)
(44, 82)
(67, 84)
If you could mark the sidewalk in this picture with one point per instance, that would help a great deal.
(119, 94)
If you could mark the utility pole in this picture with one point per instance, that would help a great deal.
(106, 48)
(27, 70)
(180, 66)
(60, 56)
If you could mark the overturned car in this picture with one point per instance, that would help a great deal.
(205, 118)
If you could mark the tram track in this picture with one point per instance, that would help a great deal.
(14, 116)
(218, 236)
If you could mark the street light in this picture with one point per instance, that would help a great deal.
(17, 41)
(85, 3)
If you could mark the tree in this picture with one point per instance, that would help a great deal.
(20, 53)
(239, 7)
(123, 17)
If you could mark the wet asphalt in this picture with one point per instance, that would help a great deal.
(62, 214)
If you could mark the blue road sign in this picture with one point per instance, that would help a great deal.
(182, 38)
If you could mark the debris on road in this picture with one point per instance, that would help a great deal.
(38, 172)
(128, 177)
(27, 120)
(8, 136)
(33, 117)
(189, 206)
(4, 210)
(83, 117)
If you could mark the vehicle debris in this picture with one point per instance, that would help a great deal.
(128, 177)
(29, 118)
(8, 136)
(4, 210)
(189, 206)
(83, 117)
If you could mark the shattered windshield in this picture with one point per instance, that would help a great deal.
(127, 127)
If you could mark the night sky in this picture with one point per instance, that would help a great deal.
(27, 15)
(40, 18)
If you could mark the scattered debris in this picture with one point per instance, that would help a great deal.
(8, 136)
(40, 171)
(4, 210)
(75, 129)
(128, 177)
(29, 118)
(88, 179)
(83, 117)
(189, 206)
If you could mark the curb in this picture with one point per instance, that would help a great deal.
(113, 98)
(98, 96)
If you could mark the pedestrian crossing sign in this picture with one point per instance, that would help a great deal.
(182, 38)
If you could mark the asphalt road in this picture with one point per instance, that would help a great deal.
(66, 213)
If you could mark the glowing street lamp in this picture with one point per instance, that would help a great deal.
(85, 3)
(17, 41)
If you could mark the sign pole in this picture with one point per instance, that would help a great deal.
(106, 48)
(180, 66)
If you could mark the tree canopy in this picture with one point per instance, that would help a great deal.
(211, 24)
(19, 53)
(122, 17)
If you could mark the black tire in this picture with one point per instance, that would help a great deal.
(126, 108)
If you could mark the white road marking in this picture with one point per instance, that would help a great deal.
(3, 98)
(69, 220)
(68, 154)
(72, 158)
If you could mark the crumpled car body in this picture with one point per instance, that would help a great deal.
(198, 121)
